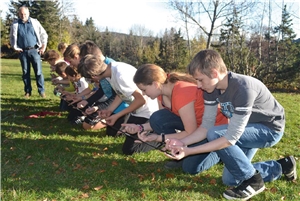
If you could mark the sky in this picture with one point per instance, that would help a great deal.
(122, 15)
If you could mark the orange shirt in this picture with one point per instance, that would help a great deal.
(186, 92)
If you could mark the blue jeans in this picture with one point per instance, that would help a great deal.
(237, 158)
(31, 56)
(164, 121)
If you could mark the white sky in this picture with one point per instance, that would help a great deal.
(121, 15)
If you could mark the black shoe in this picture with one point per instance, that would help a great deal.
(288, 165)
(246, 189)
(173, 164)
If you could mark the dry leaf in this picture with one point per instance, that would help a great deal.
(114, 163)
(170, 176)
(67, 149)
(132, 160)
(213, 181)
(273, 190)
(85, 187)
(98, 188)
(153, 176)
(101, 171)
(28, 157)
(105, 149)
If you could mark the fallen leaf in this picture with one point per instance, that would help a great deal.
(213, 181)
(273, 190)
(85, 187)
(170, 176)
(67, 149)
(98, 188)
(105, 149)
(153, 176)
(114, 163)
(132, 160)
(101, 171)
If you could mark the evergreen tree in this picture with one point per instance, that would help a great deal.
(47, 12)
(286, 51)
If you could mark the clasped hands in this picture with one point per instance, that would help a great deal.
(176, 147)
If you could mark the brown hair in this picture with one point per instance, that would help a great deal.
(205, 61)
(89, 47)
(71, 71)
(71, 51)
(146, 74)
(51, 54)
(62, 47)
(60, 67)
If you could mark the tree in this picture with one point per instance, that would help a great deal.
(47, 12)
(213, 11)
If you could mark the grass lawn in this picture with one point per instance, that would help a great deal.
(48, 159)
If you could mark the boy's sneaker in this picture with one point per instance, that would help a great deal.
(246, 189)
(288, 165)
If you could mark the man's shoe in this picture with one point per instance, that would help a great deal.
(288, 165)
(27, 95)
(246, 189)
(43, 95)
(173, 164)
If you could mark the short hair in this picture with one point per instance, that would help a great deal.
(89, 47)
(71, 51)
(60, 67)
(205, 61)
(51, 54)
(91, 65)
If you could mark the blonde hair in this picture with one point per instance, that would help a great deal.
(71, 51)
(146, 74)
(91, 65)
(205, 61)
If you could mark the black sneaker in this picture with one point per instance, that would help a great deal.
(173, 164)
(288, 165)
(246, 189)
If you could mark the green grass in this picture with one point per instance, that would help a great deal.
(48, 159)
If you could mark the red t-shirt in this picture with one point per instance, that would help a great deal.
(186, 92)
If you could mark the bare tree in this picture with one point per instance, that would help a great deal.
(212, 11)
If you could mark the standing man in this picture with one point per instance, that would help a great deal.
(29, 38)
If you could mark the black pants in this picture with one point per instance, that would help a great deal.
(130, 147)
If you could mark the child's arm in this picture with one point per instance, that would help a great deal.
(136, 103)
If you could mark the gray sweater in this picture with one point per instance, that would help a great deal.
(246, 100)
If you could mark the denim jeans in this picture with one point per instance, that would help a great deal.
(31, 56)
(237, 158)
(164, 121)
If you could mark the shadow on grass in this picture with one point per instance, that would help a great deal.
(52, 165)
(50, 154)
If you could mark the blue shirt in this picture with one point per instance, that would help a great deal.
(26, 35)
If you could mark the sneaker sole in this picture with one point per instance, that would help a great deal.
(247, 198)
(292, 175)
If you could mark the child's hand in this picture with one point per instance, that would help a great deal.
(130, 128)
(111, 120)
(82, 104)
(104, 114)
(146, 137)
(91, 110)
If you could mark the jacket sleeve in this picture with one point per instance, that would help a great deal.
(13, 35)
(40, 32)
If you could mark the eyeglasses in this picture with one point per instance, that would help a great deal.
(93, 76)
